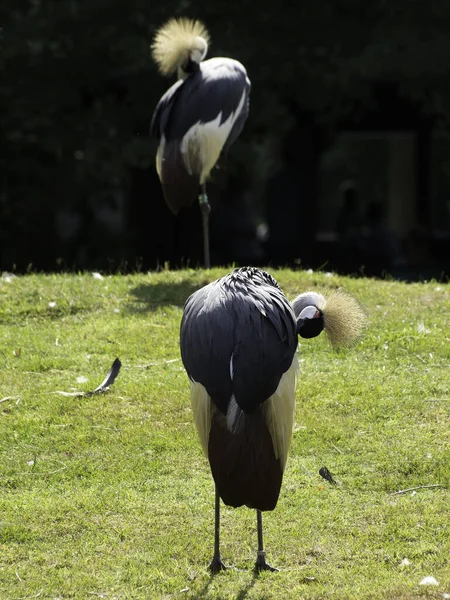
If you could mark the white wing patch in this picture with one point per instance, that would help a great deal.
(279, 410)
(159, 156)
(203, 142)
(234, 416)
(202, 413)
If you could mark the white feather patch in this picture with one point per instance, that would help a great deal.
(203, 142)
(279, 411)
(308, 313)
(159, 155)
(231, 367)
(234, 415)
(202, 413)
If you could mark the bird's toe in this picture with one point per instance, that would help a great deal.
(262, 565)
(216, 565)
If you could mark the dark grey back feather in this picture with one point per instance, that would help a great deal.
(238, 126)
(244, 316)
(162, 111)
(200, 98)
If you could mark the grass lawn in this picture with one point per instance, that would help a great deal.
(109, 496)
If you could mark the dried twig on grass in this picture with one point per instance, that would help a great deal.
(419, 487)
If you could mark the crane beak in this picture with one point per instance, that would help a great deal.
(310, 322)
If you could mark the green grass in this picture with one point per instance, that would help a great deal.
(109, 496)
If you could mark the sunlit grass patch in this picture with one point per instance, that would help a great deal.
(110, 496)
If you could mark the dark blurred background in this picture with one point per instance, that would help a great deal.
(344, 163)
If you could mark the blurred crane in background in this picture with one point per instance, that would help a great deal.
(198, 118)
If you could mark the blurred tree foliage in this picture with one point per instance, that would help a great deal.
(77, 91)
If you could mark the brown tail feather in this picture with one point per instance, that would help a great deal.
(243, 464)
(179, 188)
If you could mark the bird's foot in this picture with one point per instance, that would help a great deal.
(262, 565)
(216, 565)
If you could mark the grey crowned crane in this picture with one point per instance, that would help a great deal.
(198, 118)
(238, 339)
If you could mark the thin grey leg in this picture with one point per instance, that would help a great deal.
(216, 564)
(206, 209)
(261, 564)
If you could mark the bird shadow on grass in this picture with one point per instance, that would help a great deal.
(148, 298)
(241, 595)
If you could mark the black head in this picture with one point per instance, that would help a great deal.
(310, 322)
(190, 66)
(194, 57)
